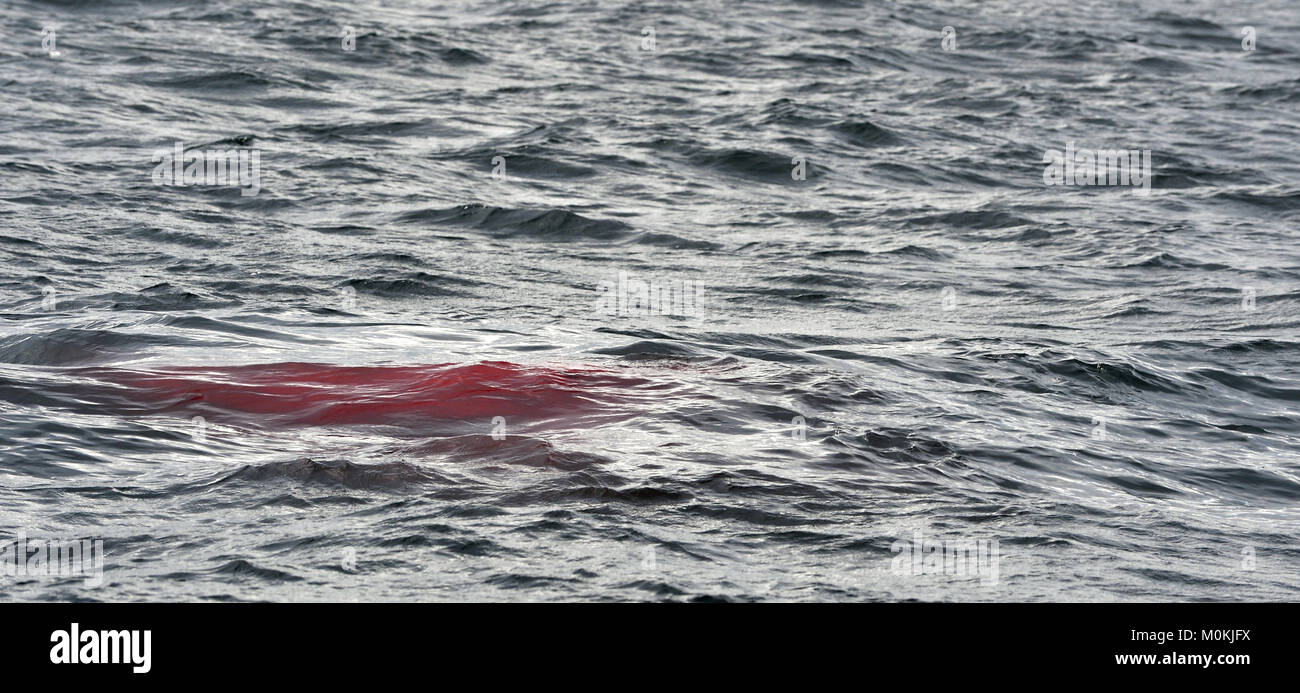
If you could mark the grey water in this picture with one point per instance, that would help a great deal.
(877, 331)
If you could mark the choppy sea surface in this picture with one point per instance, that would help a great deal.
(901, 333)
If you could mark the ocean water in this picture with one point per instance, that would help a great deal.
(602, 301)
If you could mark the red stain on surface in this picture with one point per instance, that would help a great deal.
(312, 394)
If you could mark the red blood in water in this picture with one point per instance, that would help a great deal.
(321, 394)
